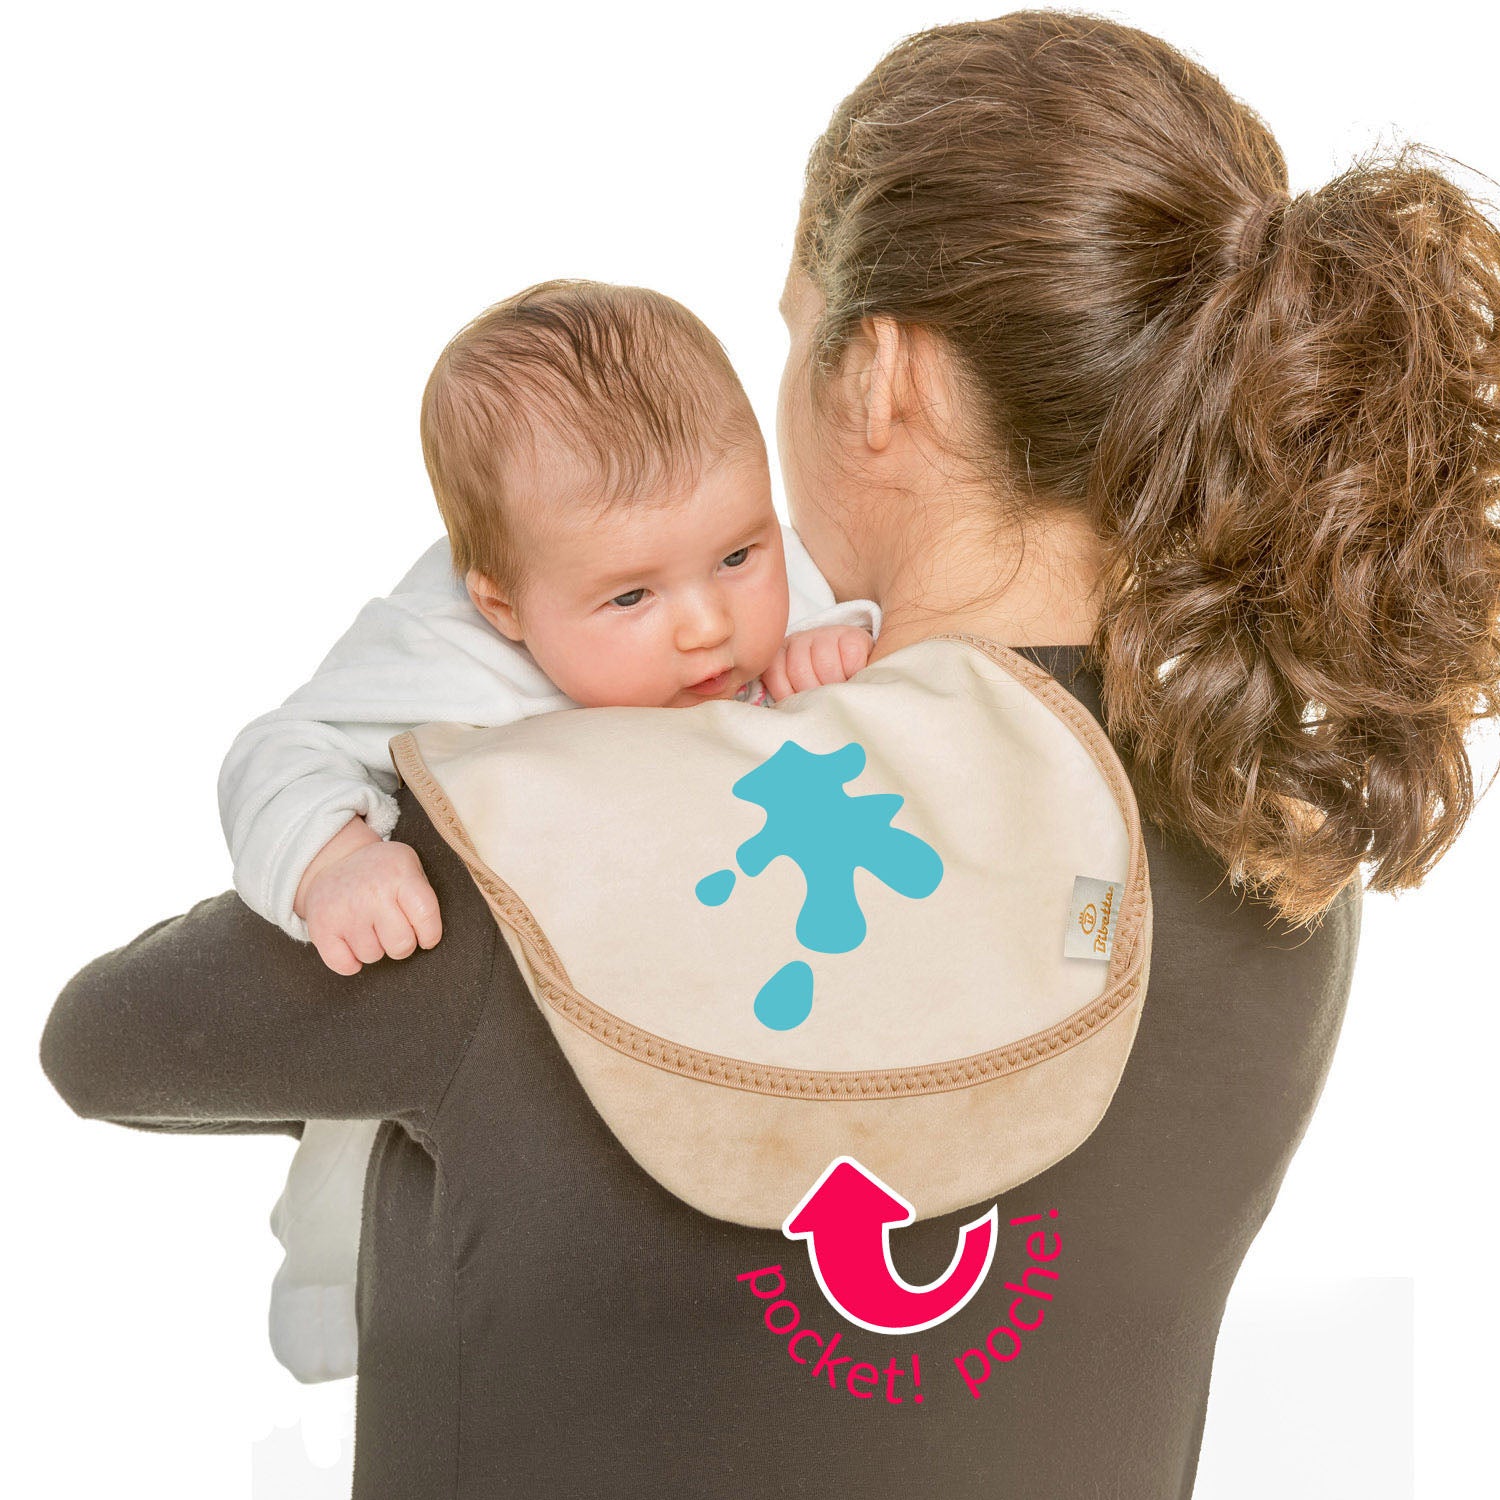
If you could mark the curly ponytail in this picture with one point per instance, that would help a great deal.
(1301, 480)
(1282, 414)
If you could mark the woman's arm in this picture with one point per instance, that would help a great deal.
(215, 1019)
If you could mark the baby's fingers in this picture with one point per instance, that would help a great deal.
(338, 956)
(813, 659)
(827, 662)
(801, 671)
(855, 646)
(396, 935)
(365, 943)
(774, 678)
(419, 902)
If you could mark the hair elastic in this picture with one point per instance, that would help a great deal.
(1253, 236)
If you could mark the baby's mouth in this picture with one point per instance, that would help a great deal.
(711, 685)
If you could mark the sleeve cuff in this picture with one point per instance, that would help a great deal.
(862, 612)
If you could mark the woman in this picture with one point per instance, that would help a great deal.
(1069, 371)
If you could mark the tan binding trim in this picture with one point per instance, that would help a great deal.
(551, 979)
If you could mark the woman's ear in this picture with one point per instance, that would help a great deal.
(885, 381)
(493, 605)
(907, 377)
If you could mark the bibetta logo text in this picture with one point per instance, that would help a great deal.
(1092, 917)
(1101, 938)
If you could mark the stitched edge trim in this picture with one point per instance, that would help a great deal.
(1123, 981)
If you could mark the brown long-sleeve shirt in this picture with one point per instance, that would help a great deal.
(538, 1317)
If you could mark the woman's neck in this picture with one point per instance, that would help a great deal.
(1041, 589)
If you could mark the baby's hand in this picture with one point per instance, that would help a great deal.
(364, 899)
(814, 658)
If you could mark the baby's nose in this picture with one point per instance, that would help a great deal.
(704, 620)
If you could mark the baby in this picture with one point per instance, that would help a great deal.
(611, 541)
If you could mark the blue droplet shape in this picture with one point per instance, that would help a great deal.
(785, 999)
(713, 890)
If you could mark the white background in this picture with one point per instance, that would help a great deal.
(236, 238)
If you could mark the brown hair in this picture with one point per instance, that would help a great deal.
(1279, 412)
(625, 380)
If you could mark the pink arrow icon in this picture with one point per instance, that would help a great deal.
(846, 1219)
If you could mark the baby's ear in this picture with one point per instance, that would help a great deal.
(493, 605)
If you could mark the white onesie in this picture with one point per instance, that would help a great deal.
(296, 775)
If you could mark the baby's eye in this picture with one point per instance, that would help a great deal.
(739, 552)
(630, 600)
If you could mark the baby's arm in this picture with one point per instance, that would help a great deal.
(826, 641)
(312, 781)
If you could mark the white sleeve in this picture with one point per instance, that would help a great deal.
(812, 602)
(296, 775)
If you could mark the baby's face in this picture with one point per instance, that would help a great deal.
(640, 605)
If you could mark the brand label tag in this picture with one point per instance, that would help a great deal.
(1092, 918)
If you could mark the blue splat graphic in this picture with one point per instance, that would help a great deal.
(713, 890)
(785, 999)
(828, 834)
(812, 820)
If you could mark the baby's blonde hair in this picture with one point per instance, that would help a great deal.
(624, 379)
